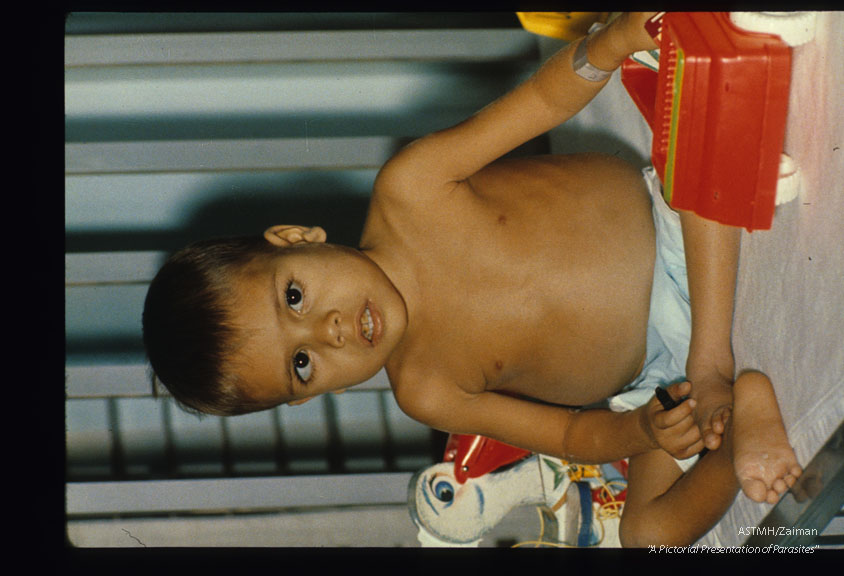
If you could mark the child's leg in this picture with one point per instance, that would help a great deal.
(665, 506)
(712, 253)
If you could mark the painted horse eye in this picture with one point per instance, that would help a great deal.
(443, 490)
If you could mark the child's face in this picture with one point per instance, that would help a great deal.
(317, 318)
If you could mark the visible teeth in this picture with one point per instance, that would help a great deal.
(367, 324)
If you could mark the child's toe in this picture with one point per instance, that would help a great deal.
(754, 489)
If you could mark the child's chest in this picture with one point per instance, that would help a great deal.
(537, 327)
(529, 290)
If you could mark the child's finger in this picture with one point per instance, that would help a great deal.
(688, 443)
(693, 435)
(691, 450)
(665, 419)
(685, 432)
(669, 418)
(672, 395)
(680, 390)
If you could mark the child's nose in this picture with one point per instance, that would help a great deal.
(330, 330)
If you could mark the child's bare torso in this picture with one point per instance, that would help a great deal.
(532, 277)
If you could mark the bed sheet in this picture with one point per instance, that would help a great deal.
(789, 317)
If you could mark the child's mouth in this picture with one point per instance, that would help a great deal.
(367, 325)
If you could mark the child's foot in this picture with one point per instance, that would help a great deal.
(764, 460)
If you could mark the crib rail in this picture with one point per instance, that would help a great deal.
(183, 128)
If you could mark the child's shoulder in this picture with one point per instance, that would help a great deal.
(424, 394)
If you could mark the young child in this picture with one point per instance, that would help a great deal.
(500, 295)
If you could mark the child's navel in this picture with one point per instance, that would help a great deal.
(502, 220)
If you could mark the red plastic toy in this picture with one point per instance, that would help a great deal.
(717, 107)
(474, 456)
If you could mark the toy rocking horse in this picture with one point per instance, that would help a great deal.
(480, 480)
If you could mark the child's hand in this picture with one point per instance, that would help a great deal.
(714, 399)
(632, 28)
(675, 430)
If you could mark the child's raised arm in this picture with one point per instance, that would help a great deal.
(551, 96)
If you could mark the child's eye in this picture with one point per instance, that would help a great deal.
(302, 366)
(293, 295)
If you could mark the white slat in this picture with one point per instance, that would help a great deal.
(240, 494)
(164, 202)
(111, 267)
(227, 155)
(132, 380)
(239, 47)
(295, 91)
(105, 381)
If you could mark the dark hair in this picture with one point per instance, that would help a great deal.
(188, 333)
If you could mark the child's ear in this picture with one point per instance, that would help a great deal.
(283, 235)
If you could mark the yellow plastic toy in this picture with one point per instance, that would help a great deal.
(566, 26)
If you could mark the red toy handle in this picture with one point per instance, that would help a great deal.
(474, 455)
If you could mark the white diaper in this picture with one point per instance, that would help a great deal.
(669, 323)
